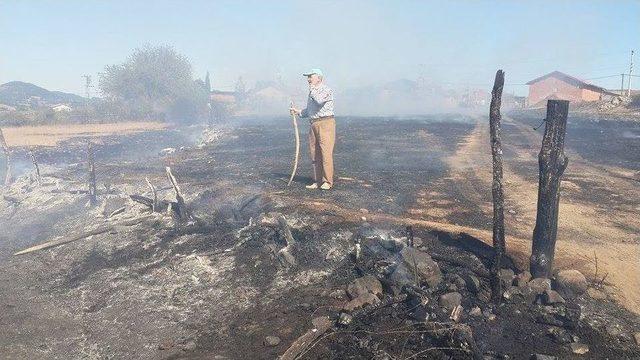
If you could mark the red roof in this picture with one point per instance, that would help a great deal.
(573, 81)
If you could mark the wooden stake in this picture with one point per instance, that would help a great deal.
(7, 153)
(93, 191)
(496, 187)
(35, 165)
(154, 205)
(552, 162)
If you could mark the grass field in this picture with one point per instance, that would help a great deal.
(51, 135)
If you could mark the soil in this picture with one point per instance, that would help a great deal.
(215, 286)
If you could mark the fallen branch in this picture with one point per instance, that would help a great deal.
(320, 326)
(99, 230)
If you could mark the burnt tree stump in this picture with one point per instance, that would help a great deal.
(496, 187)
(552, 162)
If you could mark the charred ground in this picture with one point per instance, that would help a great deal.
(217, 286)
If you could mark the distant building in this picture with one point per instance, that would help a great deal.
(61, 108)
(560, 86)
(4, 107)
(223, 97)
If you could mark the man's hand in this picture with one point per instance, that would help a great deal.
(294, 111)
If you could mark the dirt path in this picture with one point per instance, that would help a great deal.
(598, 210)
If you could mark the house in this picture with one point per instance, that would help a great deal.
(223, 97)
(61, 108)
(4, 107)
(558, 85)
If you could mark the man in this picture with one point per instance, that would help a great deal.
(322, 134)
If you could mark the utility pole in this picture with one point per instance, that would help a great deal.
(630, 72)
(87, 86)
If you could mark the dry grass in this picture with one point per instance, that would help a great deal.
(51, 135)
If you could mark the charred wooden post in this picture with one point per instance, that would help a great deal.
(35, 165)
(7, 154)
(179, 206)
(93, 191)
(552, 162)
(496, 187)
(154, 205)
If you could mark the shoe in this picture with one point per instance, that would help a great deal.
(312, 186)
(325, 186)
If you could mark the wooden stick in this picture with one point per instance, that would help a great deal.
(7, 153)
(497, 192)
(99, 230)
(93, 191)
(552, 162)
(176, 188)
(320, 326)
(35, 165)
(154, 205)
(297, 154)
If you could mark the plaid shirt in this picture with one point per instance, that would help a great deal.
(320, 102)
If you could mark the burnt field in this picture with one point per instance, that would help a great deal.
(257, 266)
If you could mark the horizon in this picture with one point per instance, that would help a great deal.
(459, 45)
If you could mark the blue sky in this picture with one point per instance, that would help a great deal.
(457, 43)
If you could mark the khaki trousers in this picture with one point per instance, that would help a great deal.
(322, 137)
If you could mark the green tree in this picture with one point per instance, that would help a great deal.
(155, 81)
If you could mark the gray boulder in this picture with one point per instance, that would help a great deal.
(420, 262)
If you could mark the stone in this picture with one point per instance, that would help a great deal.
(363, 285)
(271, 341)
(419, 261)
(190, 346)
(345, 319)
(450, 300)
(522, 279)
(506, 277)
(559, 335)
(596, 294)
(514, 294)
(570, 283)
(579, 348)
(338, 294)
(614, 330)
(458, 281)
(476, 312)
(539, 285)
(472, 283)
(550, 297)
(360, 301)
